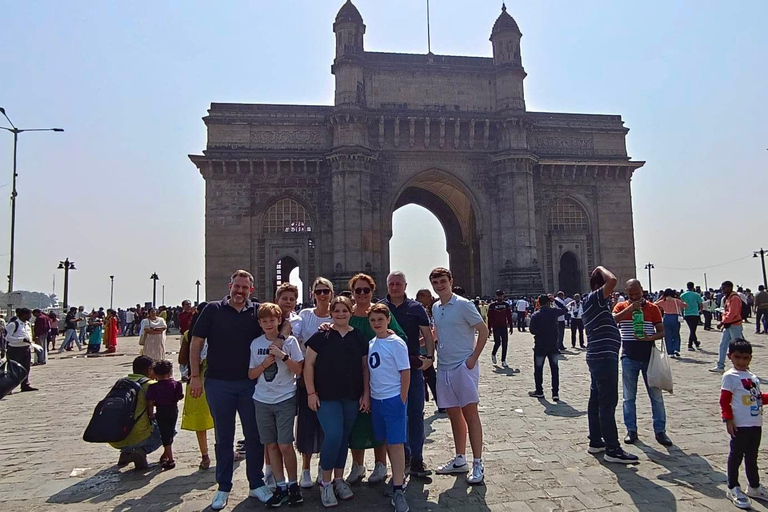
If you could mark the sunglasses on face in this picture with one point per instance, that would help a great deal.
(362, 291)
(322, 292)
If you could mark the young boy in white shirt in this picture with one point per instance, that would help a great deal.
(390, 378)
(741, 403)
(275, 363)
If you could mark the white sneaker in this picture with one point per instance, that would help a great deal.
(306, 480)
(477, 476)
(504, 364)
(760, 493)
(262, 493)
(493, 359)
(457, 465)
(327, 496)
(219, 500)
(356, 474)
(738, 498)
(717, 369)
(379, 474)
(270, 482)
(319, 479)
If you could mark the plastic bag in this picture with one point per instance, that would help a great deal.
(659, 370)
(11, 375)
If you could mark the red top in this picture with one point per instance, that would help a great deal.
(185, 321)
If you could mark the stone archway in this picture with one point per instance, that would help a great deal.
(569, 277)
(447, 198)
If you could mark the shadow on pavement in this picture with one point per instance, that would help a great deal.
(561, 408)
(646, 495)
(686, 470)
(463, 495)
(510, 372)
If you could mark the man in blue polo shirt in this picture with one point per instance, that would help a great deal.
(229, 327)
(413, 319)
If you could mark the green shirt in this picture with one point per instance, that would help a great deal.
(692, 300)
(362, 324)
(143, 427)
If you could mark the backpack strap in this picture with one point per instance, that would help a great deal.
(141, 382)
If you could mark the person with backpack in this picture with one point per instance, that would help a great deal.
(19, 339)
(143, 434)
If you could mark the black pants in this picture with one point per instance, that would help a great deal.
(693, 324)
(577, 324)
(561, 335)
(430, 381)
(603, 398)
(521, 321)
(166, 416)
(707, 320)
(500, 337)
(744, 446)
(760, 316)
(23, 356)
(538, 371)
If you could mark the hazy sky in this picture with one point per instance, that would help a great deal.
(130, 81)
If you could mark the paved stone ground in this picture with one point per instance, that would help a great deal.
(535, 454)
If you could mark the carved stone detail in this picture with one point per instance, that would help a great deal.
(397, 132)
(427, 123)
(456, 133)
(412, 127)
(381, 132)
(286, 137)
(486, 133)
(442, 132)
(472, 133)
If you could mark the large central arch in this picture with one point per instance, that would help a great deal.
(453, 205)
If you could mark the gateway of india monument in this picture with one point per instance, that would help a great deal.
(529, 201)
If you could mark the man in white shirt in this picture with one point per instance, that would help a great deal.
(19, 339)
(82, 323)
(130, 317)
(522, 309)
(576, 309)
(456, 321)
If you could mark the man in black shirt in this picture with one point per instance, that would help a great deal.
(70, 332)
(229, 327)
(545, 341)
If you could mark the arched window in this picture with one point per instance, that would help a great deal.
(567, 215)
(287, 216)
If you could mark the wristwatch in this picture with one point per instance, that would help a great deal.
(428, 357)
(285, 358)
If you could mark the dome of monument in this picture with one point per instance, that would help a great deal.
(504, 22)
(349, 12)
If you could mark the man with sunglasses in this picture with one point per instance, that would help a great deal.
(413, 319)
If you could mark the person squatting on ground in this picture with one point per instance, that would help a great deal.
(389, 370)
(458, 375)
(275, 362)
(741, 405)
(603, 343)
(545, 329)
(163, 406)
(500, 324)
(635, 358)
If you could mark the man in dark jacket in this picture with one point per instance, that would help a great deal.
(545, 340)
(499, 320)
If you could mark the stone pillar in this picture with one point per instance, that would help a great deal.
(518, 262)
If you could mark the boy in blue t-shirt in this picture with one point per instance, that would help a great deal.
(390, 377)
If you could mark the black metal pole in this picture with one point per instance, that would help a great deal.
(111, 291)
(650, 283)
(197, 283)
(154, 291)
(13, 213)
(762, 260)
(66, 284)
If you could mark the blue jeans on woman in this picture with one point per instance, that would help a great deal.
(672, 333)
(630, 370)
(336, 417)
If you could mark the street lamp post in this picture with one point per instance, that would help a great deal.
(762, 252)
(16, 131)
(162, 301)
(111, 290)
(67, 266)
(197, 283)
(154, 279)
(648, 267)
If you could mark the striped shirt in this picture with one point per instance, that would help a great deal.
(603, 336)
(634, 349)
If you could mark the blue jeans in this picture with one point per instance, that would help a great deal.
(415, 411)
(729, 334)
(82, 334)
(603, 398)
(631, 369)
(538, 371)
(336, 418)
(147, 446)
(672, 333)
(69, 336)
(225, 399)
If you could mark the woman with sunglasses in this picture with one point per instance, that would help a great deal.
(309, 434)
(362, 438)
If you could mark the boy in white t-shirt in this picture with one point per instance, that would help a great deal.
(741, 403)
(390, 378)
(275, 363)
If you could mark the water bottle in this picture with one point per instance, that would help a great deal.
(638, 323)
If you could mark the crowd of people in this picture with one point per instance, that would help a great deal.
(351, 374)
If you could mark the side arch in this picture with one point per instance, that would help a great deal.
(569, 245)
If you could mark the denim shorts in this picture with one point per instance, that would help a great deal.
(275, 421)
(389, 420)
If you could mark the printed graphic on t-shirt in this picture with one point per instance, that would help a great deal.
(374, 360)
(754, 399)
(271, 371)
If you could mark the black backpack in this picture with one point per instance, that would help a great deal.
(113, 419)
